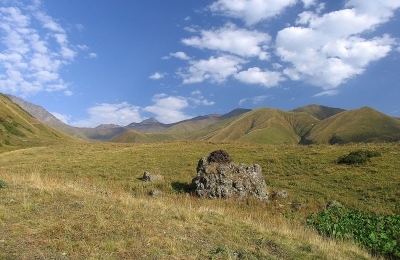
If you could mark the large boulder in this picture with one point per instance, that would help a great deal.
(225, 179)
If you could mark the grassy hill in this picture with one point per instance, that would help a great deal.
(273, 126)
(304, 125)
(266, 125)
(19, 129)
(86, 201)
(359, 125)
(47, 118)
(262, 125)
(192, 125)
(318, 111)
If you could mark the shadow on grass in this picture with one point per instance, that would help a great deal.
(181, 187)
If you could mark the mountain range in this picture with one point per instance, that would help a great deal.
(312, 124)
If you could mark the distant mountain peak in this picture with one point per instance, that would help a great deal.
(107, 126)
(149, 121)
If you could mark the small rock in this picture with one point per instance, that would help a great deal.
(334, 203)
(155, 193)
(152, 177)
(282, 194)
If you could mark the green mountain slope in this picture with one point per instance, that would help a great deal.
(265, 125)
(318, 111)
(47, 118)
(359, 125)
(192, 125)
(19, 129)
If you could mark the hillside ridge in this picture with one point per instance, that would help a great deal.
(303, 125)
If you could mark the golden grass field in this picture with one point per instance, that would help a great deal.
(81, 200)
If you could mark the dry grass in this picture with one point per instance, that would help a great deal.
(85, 201)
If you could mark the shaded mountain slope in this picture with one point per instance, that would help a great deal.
(359, 125)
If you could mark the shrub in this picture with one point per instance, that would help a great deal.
(219, 156)
(380, 234)
(3, 184)
(357, 157)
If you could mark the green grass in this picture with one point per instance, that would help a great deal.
(86, 201)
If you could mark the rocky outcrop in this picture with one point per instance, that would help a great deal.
(225, 179)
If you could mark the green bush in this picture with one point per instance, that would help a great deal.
(3, 184)
(357, 157)
(380, 234)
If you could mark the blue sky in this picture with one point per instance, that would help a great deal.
(92, 62)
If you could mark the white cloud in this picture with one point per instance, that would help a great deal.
(68, 93)
(255, 100)
(180, 55)
(214, 69)
(256, 76)
(168, 109)
(157, 75)
(61, 117)
(92, 55)
(36, 47)
(251, 11)
(120, 114)
(82, 47)
(234, 40)
(198, 99)
(308, 3)
(327, 49)
(331, 92)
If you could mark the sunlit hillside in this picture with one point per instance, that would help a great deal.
(19, 129)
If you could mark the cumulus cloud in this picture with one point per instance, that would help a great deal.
(326, 50)
(35, 48)
(168, 109)
(233, 40)
(157, 75)
(179, 55)
(308, 3)
(265, 78)
(215, 69)
(120, 114)
(251, 11)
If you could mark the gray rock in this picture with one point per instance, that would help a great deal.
(152, 177)
(155, 193)
(282, 194)
(227, 180)
(334, 203)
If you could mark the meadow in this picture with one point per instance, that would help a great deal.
(81, 200)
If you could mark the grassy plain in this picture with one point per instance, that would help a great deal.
(86, 201)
